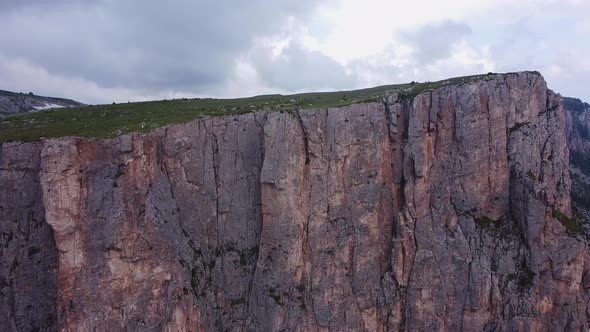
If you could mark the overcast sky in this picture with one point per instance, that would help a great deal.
(130, 50)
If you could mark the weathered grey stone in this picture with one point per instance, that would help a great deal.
(28, 257)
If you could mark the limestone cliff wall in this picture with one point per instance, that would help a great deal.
(447, 211)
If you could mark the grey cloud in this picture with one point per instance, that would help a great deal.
(298, 68)
(519, 47)
(141, 48)
(149, 45)
(431, 58)
(532, 43)
(9, 6)
(435, 41)
(573, 78)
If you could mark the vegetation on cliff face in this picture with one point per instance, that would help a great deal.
(571, 225)
(104, 121)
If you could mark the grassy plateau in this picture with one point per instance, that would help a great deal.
(104, 121)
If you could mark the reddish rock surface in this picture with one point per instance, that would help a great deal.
(447, 211)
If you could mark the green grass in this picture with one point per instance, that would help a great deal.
(104, 121)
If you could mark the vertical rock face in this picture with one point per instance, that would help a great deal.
(578, 137)
(28, 255)
(446, 211)
(577, 125)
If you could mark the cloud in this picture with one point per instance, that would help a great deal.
(429, 52)
(296, 68)
(187, 46)
(436, 41)
(398, 64)
(17, 5)
(109, 50)
(569, 73)
(22, 76)
(552, 44)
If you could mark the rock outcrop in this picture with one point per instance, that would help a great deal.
(445, 211)
(14, 103)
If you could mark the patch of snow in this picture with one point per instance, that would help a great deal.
(47, 106)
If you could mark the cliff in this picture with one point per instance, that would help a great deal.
(449, 210)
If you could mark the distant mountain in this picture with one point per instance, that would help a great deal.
(18, 102)
(578, 137)
(575, 104)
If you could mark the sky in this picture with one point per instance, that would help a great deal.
(103, 51)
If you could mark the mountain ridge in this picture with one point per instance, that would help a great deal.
(18, 103)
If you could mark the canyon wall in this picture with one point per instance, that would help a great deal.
(449, 210)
